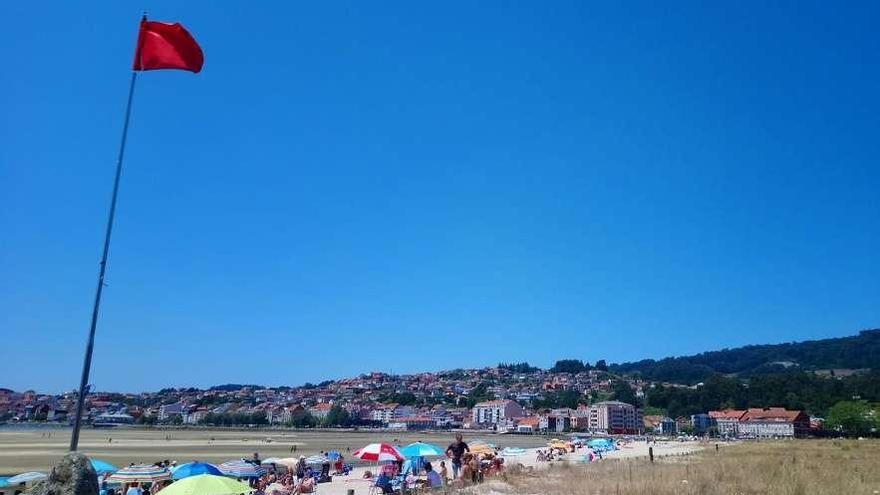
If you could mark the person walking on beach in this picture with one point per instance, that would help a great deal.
(455, 450)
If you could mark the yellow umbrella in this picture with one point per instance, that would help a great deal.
(207, 484)
(480, 448)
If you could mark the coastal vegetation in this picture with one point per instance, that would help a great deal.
(807, 467)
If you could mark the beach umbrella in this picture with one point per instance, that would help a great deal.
(421, 449)
(480, 448)
(313, 460)
(139, 474)
(288, 462)
(241, 469)
(26, 478)
(333, 455)
(377, 452)
(193, 469)
(103, 467)
(601, 444)
(207, 484)
(512, 452)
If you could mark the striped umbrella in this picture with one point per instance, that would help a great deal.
(241, 469)
(141, 473)
(378, 452)
(26, 478)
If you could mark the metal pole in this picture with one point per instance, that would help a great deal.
(87, 362)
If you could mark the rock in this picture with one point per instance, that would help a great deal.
(74, 475)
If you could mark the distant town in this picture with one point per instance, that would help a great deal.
(508, 398)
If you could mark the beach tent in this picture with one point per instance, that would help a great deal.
(139, 474)
(102, 467)
(421, 449)
(194, 469)
(601, 444)
(512, 452)
(28, 477)
(241, 469)
(376, 452)
(270, 460)
(315, 460)
(207, 484)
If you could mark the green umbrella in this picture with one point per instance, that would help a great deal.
(207, 484)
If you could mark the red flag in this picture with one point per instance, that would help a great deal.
(166, 46)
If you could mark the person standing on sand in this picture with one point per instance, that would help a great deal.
(444, 474)
(455, 450)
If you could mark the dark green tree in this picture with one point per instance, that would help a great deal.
(852, 418)
(337, 417)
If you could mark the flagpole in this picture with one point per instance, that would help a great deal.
(87, 361)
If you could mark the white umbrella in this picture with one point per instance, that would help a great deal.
(26, 478)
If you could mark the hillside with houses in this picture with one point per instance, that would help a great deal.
(507, 398)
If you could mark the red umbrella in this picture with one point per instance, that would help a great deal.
(378, 452)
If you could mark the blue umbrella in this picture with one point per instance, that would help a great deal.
(333, 455)
(420, 449)
(601, 444)
(103, 467)
(193, 469)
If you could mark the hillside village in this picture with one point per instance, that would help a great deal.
(506, 399)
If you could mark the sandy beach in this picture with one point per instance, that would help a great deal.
(37, 449)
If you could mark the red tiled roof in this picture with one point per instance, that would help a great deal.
(727, 414)
(770, 414)
(530, 421)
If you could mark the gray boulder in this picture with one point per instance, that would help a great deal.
(74, 475)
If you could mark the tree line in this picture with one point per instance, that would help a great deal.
(861, 351)
(796, 390)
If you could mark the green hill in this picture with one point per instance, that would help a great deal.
(861, 351)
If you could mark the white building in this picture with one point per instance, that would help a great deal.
(494, 411)
(166, 411)
(615, 417)
(387, 413)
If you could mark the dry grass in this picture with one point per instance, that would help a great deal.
(785, 468)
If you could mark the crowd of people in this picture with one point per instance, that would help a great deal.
(466, 468)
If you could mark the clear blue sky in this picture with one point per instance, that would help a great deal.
(365, 186)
